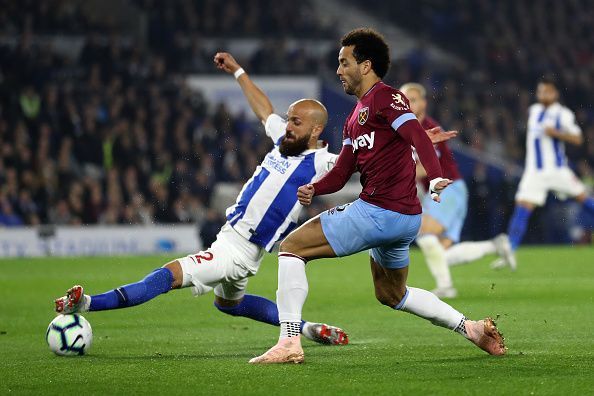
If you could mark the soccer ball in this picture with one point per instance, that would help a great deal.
(69, 335)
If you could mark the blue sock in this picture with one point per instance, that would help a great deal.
(255, 307)
(517, 225)
(589, 204)
(157, 282)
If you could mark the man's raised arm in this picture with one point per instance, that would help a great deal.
(257, 99)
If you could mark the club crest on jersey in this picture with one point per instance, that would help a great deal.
(363, 115)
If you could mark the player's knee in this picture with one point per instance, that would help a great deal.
(289, 245)
(386, 299)
(227, 306)
(446, 243)
(430, 226)
(389, 296)
(176, 270)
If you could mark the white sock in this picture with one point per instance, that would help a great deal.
(427, 306)
(435, 255)
(289, 329)
(291, 293)
(466, 252)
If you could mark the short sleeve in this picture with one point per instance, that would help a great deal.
(330, 161)
(325, 161)
(275, 127)
(392, 106)
(568, 123)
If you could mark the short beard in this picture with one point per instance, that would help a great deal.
(349, 89)
(295, 148)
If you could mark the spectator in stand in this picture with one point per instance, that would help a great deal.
(82, 135)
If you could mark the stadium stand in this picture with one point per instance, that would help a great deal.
(107, 133)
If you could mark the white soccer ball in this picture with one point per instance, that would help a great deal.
(69, 335)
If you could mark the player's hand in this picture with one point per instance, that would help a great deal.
(224, 61)
(438, 135)
(436, 186)
(305, 194)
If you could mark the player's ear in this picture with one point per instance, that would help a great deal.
(366, 67)
(317, 131)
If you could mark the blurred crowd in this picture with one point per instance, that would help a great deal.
(212, 18)
(234, 18)
(112, 135)
(48, 17)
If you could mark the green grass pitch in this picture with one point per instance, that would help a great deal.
(178, 344)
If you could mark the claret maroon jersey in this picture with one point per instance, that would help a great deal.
(377, 139)
(449, 167)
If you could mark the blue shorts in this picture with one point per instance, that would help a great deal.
(358, 226)
(451, 211)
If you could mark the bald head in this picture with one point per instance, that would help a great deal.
(306, 119)
(313, 109)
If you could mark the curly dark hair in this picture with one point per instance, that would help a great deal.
(369, 45)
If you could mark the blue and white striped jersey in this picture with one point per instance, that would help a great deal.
(267, 209)
(544, 153)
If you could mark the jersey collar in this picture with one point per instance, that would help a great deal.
(371, 89)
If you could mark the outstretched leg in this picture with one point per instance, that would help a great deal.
(465, 252)
(154, 284)
(391, 290)
(201, 271)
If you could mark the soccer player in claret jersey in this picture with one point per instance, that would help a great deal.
(442, 222)
(377, 140)
(265, 211)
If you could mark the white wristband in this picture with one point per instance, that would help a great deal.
(238, 73)
(433, 183)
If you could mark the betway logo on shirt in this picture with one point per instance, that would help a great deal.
(366, 140)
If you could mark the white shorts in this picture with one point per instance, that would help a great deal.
(535, 186)
(224, 267)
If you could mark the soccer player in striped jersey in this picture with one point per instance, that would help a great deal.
(266, 210)
(550, 126)
(442, 222)
(377, 140)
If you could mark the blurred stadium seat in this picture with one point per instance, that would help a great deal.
(97, 125)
